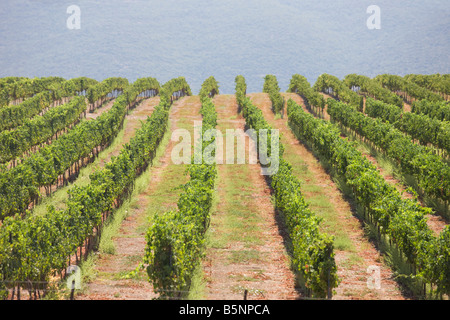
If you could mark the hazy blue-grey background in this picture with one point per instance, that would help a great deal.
(199, 38)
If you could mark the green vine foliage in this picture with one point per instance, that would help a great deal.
(300, 85)
(40, 129)
(408, 89)
(19, 186)
(16, 115)
(241, 90)
(437, 110)
(271, 87)
(313, 250)
(438, 83)
(175, 241)
(402, 220)
(14, 88)
(430, 170)
(421, 127)
(98, 92)
(32, 248)
(373, 89)
(209, 89)
(332, 85)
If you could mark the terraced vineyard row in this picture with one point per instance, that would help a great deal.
(305, 216)
(62, 232)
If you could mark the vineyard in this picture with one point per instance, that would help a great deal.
(349, 197)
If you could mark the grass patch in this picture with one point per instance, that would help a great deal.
(244, 256)
(254, 277)
(235, 217)
(198, 285)
(353, 260)
(343, 243)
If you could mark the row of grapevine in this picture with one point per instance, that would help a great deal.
(271, 87)
(419, 126)
(20, 185)
(16, 115)
(439, 110)
(373, 89)
(5, 81)
(439, 83)
(16, 142)
(313, 250)
(431, 172)
(16, 89)
(332, 85)
(409, 90)
(77, 86)
(175, 241)
(173, 90)
(300, 85)
(97, 94)
(210, 88)
(35, 247)
(148, 87)
(400, 220)
(241, 90)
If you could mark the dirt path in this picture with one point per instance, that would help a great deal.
(133, 122)
(354, 253)
(97, 112)
(155, 193)
(407, 107)
(246, 249)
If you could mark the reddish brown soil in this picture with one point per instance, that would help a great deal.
(104, 108)
(133, 122)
